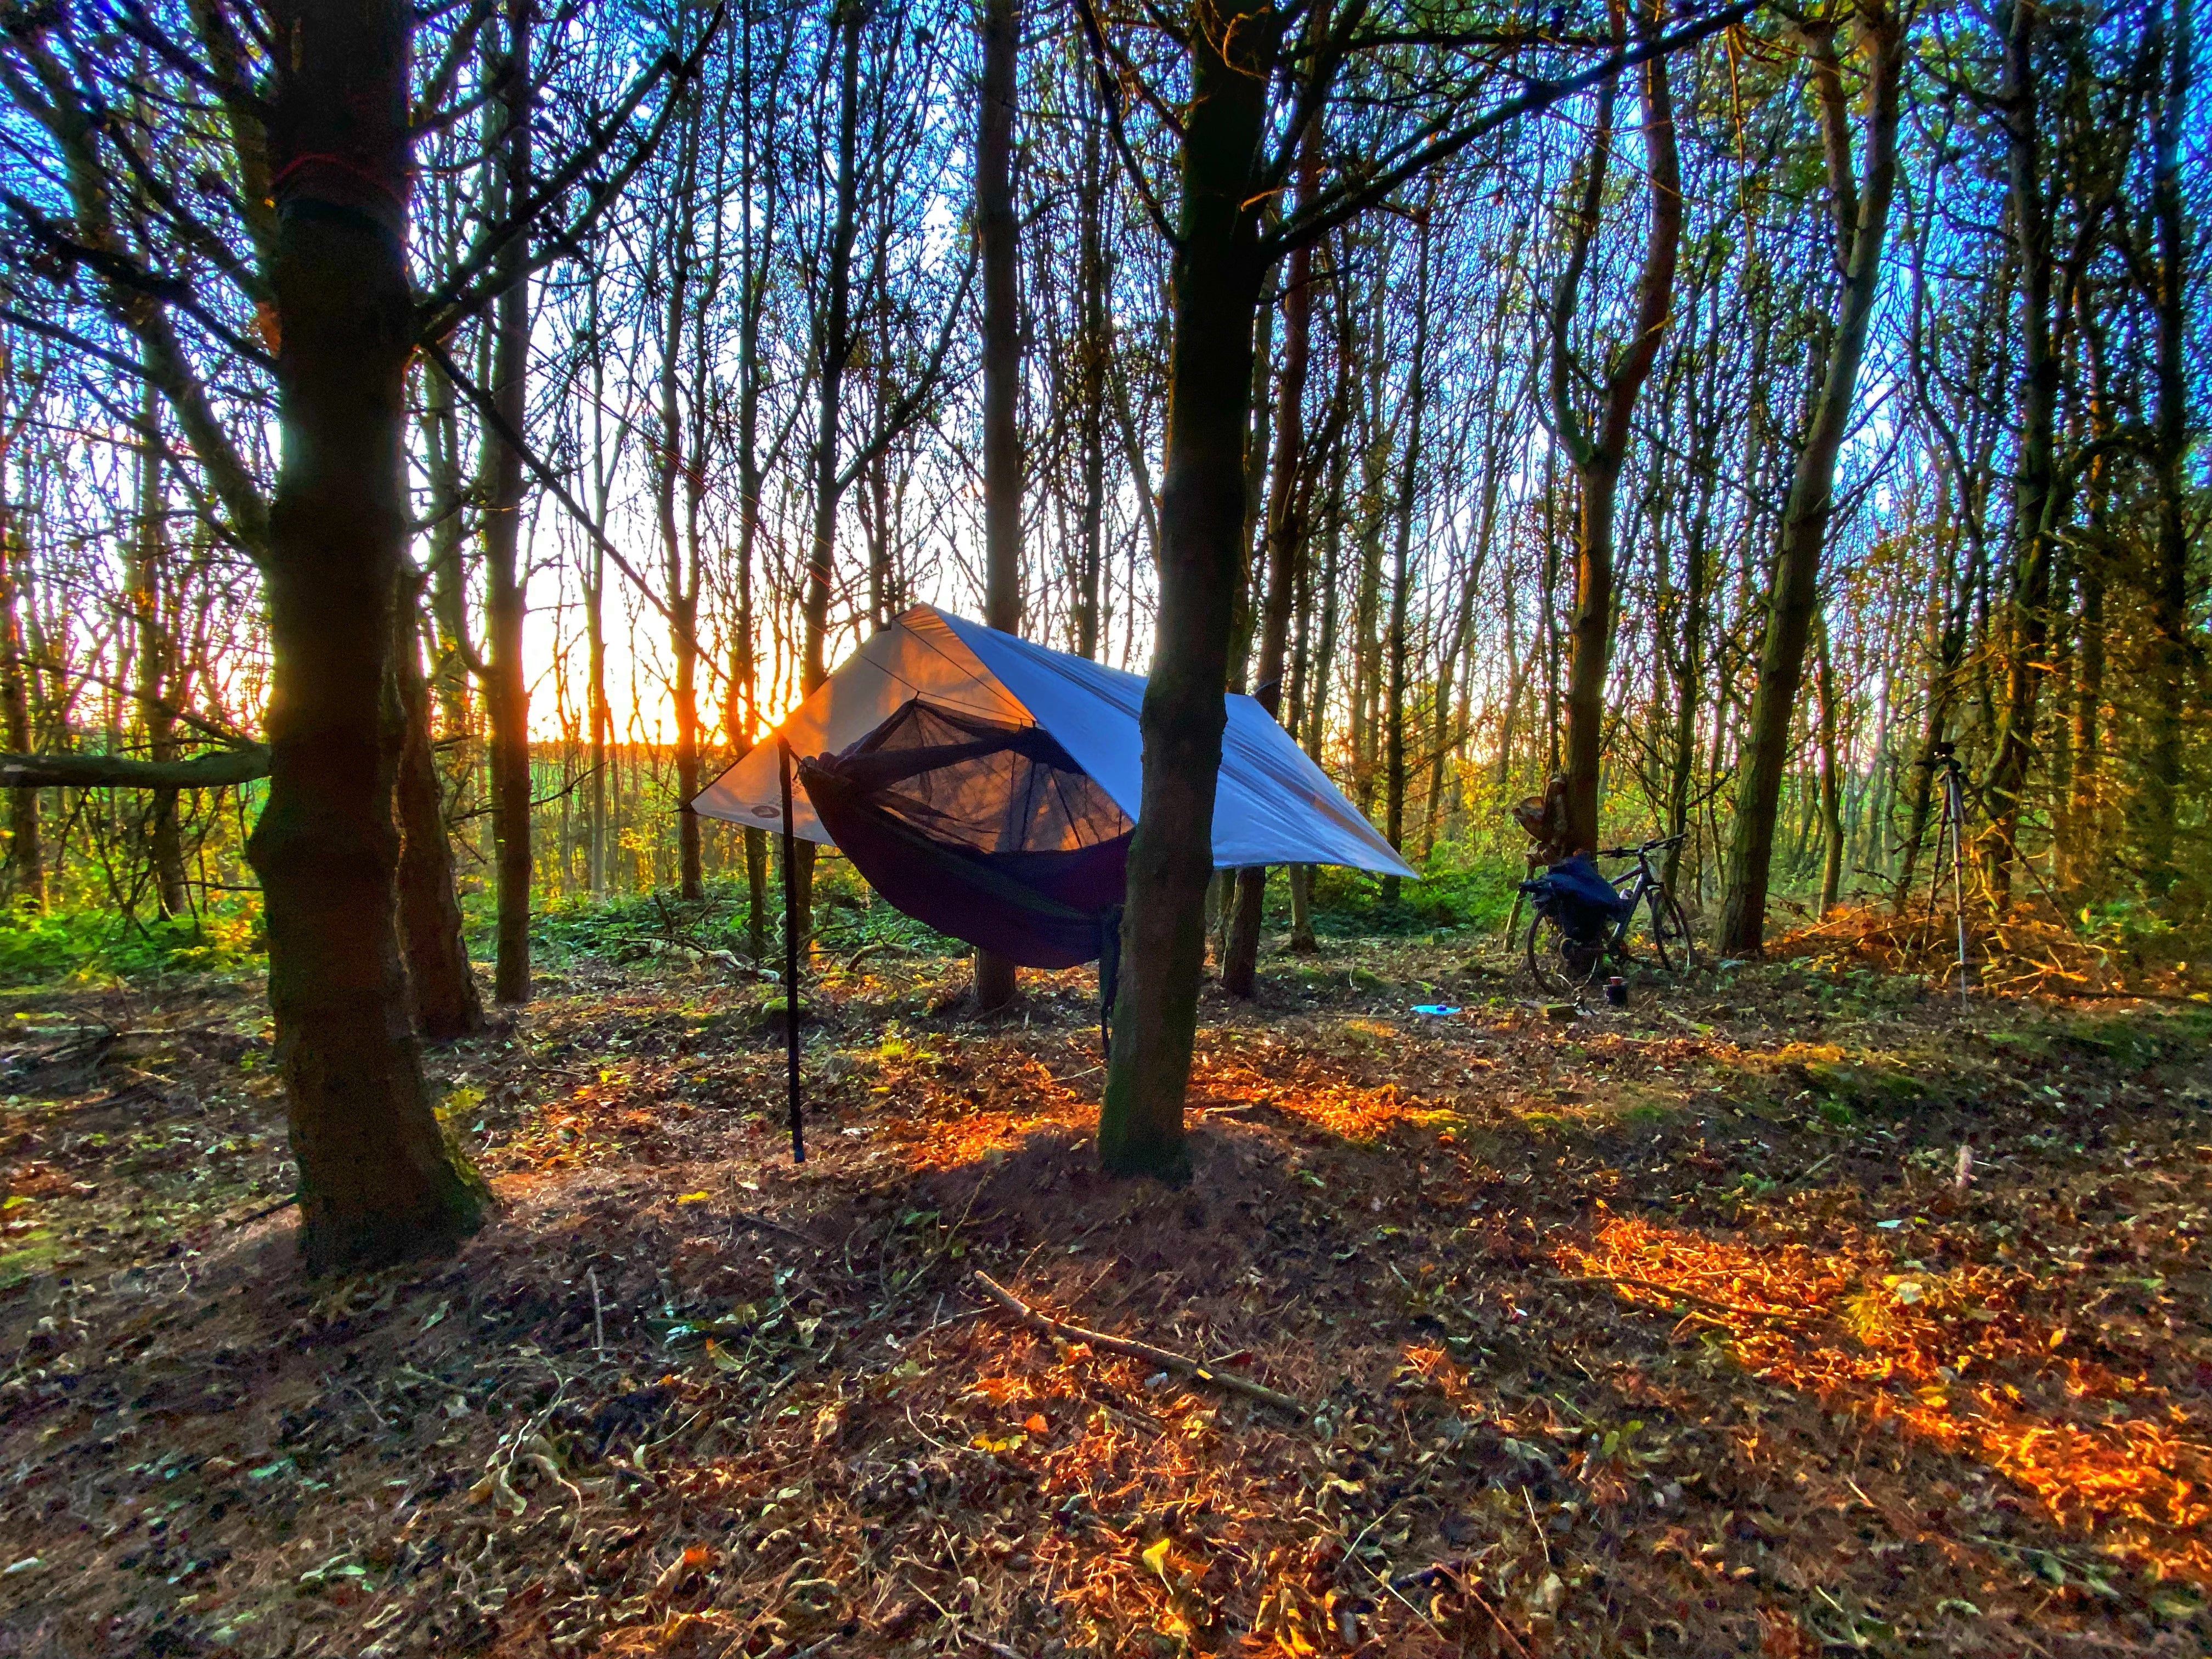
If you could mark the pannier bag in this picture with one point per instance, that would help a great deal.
(1574, 894)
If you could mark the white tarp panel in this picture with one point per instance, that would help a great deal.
(1273, 806)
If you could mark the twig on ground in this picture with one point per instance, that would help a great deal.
(770, 1225)
(1181, 1364)
(1679, 1295)
(251, 1216)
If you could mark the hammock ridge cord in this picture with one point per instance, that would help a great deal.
(791, 951)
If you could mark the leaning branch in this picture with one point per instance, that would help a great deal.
(903, 411)
(1347, 202)
(546, 475)
(1109, 95)
(1181, 1364)
(219, 768)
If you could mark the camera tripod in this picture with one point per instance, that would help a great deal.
(1951, 834)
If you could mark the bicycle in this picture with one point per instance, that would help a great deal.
(1564, 965)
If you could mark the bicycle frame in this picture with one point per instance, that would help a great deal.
(1642, 882)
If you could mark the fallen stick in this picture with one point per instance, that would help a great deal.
(766, 1224)
(1181, 1364)
(251, 1216)
(1678, 1294)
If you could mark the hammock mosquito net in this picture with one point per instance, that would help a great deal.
(985, 829)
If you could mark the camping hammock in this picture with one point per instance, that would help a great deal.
(984, 830)
(989, 786)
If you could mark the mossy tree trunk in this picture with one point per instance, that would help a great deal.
(1861, 215)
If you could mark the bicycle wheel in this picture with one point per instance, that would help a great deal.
(1669, 930)
(1562, 966)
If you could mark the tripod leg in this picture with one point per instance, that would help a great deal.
(1955, 808)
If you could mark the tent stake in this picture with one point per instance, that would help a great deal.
(791, 951)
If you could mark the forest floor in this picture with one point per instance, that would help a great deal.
(1666, 1330)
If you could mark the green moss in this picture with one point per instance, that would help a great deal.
(1867, 1086)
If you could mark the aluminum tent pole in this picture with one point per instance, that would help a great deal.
(790, 951)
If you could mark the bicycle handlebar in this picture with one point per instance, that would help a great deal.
(1652, 845)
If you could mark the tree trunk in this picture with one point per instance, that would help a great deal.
(1095, 277)
(444, 989)
(2079, 827)
(836, 347)
(601, 715)
(1697, 603)
(1598, 460)
(156, 653)
(755, 234)
(1442, 741)
(2170, 644)
(378, 1179)
(1832, 812)
(1214, 291)
(1244, 618)
(1393, 739)
(26, 867)
(674, 460)
(1862, 219)
(506, 693)
(2034, 488)
(997, 233)
(1286, 534)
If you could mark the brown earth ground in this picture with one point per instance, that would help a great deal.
(1667, 1330)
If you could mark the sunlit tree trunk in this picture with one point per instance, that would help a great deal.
(379, 1180)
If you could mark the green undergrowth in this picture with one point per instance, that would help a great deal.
(41, 947)
(847, 919)
(1462, 890)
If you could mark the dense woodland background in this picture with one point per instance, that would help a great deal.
(752, 364)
